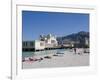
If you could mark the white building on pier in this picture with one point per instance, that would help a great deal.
(44, 41)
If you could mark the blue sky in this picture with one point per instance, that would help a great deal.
(59, 24)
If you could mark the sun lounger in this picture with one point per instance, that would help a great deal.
(55, 55)
(48, 57)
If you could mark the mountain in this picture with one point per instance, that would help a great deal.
(75, 37)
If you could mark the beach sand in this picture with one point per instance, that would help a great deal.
(68, 59)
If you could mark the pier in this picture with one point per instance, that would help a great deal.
(49, 48)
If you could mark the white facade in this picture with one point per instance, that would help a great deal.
(86, 41)
(50, 41)
(39, 45)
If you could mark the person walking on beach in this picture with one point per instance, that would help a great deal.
(75, 50)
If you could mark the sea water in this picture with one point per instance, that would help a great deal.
(45, 52)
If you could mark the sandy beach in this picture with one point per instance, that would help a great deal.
(68, 59)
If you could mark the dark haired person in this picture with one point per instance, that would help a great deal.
(75, 50)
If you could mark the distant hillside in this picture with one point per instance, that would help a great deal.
(76, 37)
